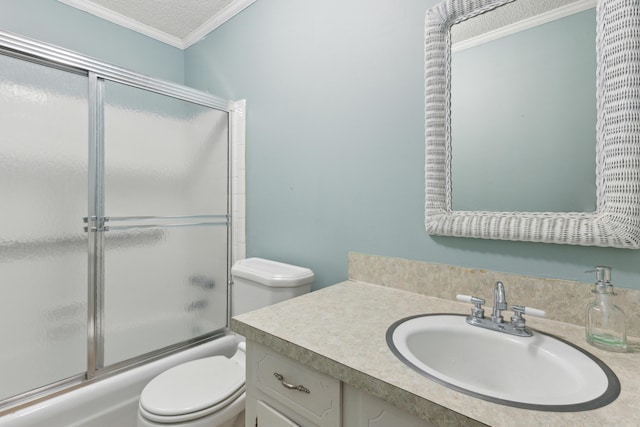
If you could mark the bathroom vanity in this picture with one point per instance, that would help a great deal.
(312, 399)
(332, 343)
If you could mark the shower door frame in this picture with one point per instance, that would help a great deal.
(97, 73)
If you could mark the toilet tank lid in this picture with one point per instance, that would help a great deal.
(272, 273)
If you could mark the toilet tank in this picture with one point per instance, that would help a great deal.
(260, 282)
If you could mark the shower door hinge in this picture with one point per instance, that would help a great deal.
(95, 224)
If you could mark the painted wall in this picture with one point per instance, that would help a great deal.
(335, 141)
(53, 22)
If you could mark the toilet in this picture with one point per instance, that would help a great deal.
(211, 391)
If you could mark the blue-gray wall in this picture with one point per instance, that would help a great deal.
(335, 141)
(55, 23)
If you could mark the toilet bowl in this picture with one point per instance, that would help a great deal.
(204, 392)
(210, 392)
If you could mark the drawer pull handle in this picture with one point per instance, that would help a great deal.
(290, 386)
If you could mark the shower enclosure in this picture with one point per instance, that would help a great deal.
(115, 226)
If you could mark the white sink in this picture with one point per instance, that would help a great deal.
(540, 372)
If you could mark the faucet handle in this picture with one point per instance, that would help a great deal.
(477, 311)
(469, 298)
(528, 311)
(518, 310)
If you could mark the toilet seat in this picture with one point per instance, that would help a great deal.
(192, 390)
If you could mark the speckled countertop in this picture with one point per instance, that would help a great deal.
(340, 330)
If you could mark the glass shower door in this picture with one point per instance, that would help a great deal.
(115, 220)
(166, 200)
(43, 249)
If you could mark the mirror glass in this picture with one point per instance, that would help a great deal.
(523, 108)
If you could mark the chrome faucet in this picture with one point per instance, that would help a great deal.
(496, 321)
(499, 303)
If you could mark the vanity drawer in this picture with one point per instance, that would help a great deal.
(317, 396)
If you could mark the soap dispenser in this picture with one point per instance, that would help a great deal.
(606, 324)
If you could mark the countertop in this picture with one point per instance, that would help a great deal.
(340, 331)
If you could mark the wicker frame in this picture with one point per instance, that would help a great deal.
(616, 221)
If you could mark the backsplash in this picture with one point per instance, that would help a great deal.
(563, 300)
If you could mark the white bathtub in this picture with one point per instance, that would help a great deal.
(110, 402)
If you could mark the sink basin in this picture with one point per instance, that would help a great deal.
(541, 372)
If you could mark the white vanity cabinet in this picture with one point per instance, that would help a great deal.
(281, 392)
(271, 392)
(360, 409)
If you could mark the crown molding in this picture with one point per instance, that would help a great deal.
(215, 21)
(193, 37)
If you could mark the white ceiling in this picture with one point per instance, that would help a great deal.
(179, 23)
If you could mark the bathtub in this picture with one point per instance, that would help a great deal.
(112, 401)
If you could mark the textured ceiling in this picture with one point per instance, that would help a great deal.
(176, 22)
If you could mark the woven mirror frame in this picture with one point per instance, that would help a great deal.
(616, 221)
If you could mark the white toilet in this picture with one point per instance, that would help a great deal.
(210, 392)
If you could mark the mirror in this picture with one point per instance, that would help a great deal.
(477, 189)
(523, 107)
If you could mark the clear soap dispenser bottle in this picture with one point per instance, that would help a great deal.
(606, 324)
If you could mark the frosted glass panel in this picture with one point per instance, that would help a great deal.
(43, 261)
(163, 286)
(163, 158)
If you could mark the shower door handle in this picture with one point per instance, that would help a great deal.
(98, 223)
